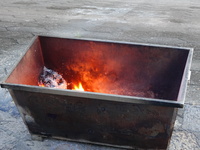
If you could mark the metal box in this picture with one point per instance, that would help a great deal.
(118, 120)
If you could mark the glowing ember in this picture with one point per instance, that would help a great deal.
(79, 87)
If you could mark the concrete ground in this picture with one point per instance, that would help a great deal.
(165, 22)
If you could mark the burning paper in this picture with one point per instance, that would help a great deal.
(50, 78)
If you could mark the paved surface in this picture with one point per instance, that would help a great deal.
(165, 22)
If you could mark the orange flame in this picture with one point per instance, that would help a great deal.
(42, 85)
(79, 87)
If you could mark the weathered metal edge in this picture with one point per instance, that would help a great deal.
(94, 95)
(117, 42)
(185, 78)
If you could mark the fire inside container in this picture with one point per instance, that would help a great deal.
(52, 79)
(102, 92)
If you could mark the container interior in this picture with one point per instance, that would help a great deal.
(106, 67)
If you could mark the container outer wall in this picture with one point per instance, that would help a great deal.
(118, 124)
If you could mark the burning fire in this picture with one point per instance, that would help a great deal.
(50, 78)
(79, 87)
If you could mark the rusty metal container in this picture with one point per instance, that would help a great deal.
(118, 120)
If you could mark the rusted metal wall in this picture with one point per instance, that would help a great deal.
(96, 121)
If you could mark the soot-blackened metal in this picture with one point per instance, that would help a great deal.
(106, 119)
